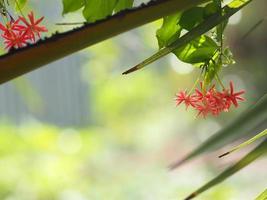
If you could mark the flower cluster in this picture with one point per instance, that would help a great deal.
(18, 33)
(210, 101)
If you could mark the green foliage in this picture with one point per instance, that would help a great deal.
(196, 32)
(199, 50)
(72, 5)
(94, 10)
(123, 4)
(21, 3)
(98, 9)
(169, 31)
(192, 17)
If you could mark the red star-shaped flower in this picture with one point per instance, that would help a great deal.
(13, 39)
(32, 27)
(188, 100)
(234, 97)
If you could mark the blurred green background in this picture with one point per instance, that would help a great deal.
(77, 129)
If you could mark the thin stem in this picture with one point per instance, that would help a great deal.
(194, 86)
(20, 9)
(219, 80)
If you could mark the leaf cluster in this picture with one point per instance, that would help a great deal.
(206, 51)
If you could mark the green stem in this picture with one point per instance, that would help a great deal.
(194, 86)
(219, 80)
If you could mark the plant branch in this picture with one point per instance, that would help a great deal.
(24, 60)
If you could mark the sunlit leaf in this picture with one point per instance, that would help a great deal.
(72, 5)
(169, 31)
(262, 196)
(238, 128)
(248, 142)
(259, 151)
(197, 51)
(20, 4)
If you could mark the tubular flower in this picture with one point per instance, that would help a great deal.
(211, 101)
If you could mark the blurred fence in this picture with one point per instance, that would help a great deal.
(53, 94)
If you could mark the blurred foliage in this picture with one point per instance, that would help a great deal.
(45, 162)
(262, 196)
(135, 129)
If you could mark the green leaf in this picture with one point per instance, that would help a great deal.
(259, 151)
(211, 9)
(72, 5)
(123, 4)
(98, 9)
(198, 50)
(192, 17)
(262, 196)
(248, 142)
(20, 4)
(237, 129)
(169, 31)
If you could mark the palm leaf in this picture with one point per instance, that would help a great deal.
(259, 151)
(262, 196)
(248, 142)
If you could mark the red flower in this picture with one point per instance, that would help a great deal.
(234, 97)
(211, 101)
(16, 34)
(13, 39)
(188, 100)
(32, 27)
(9, 27)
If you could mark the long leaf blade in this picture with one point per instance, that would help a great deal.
(259, 151)
(262, 196)
(248, 142)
